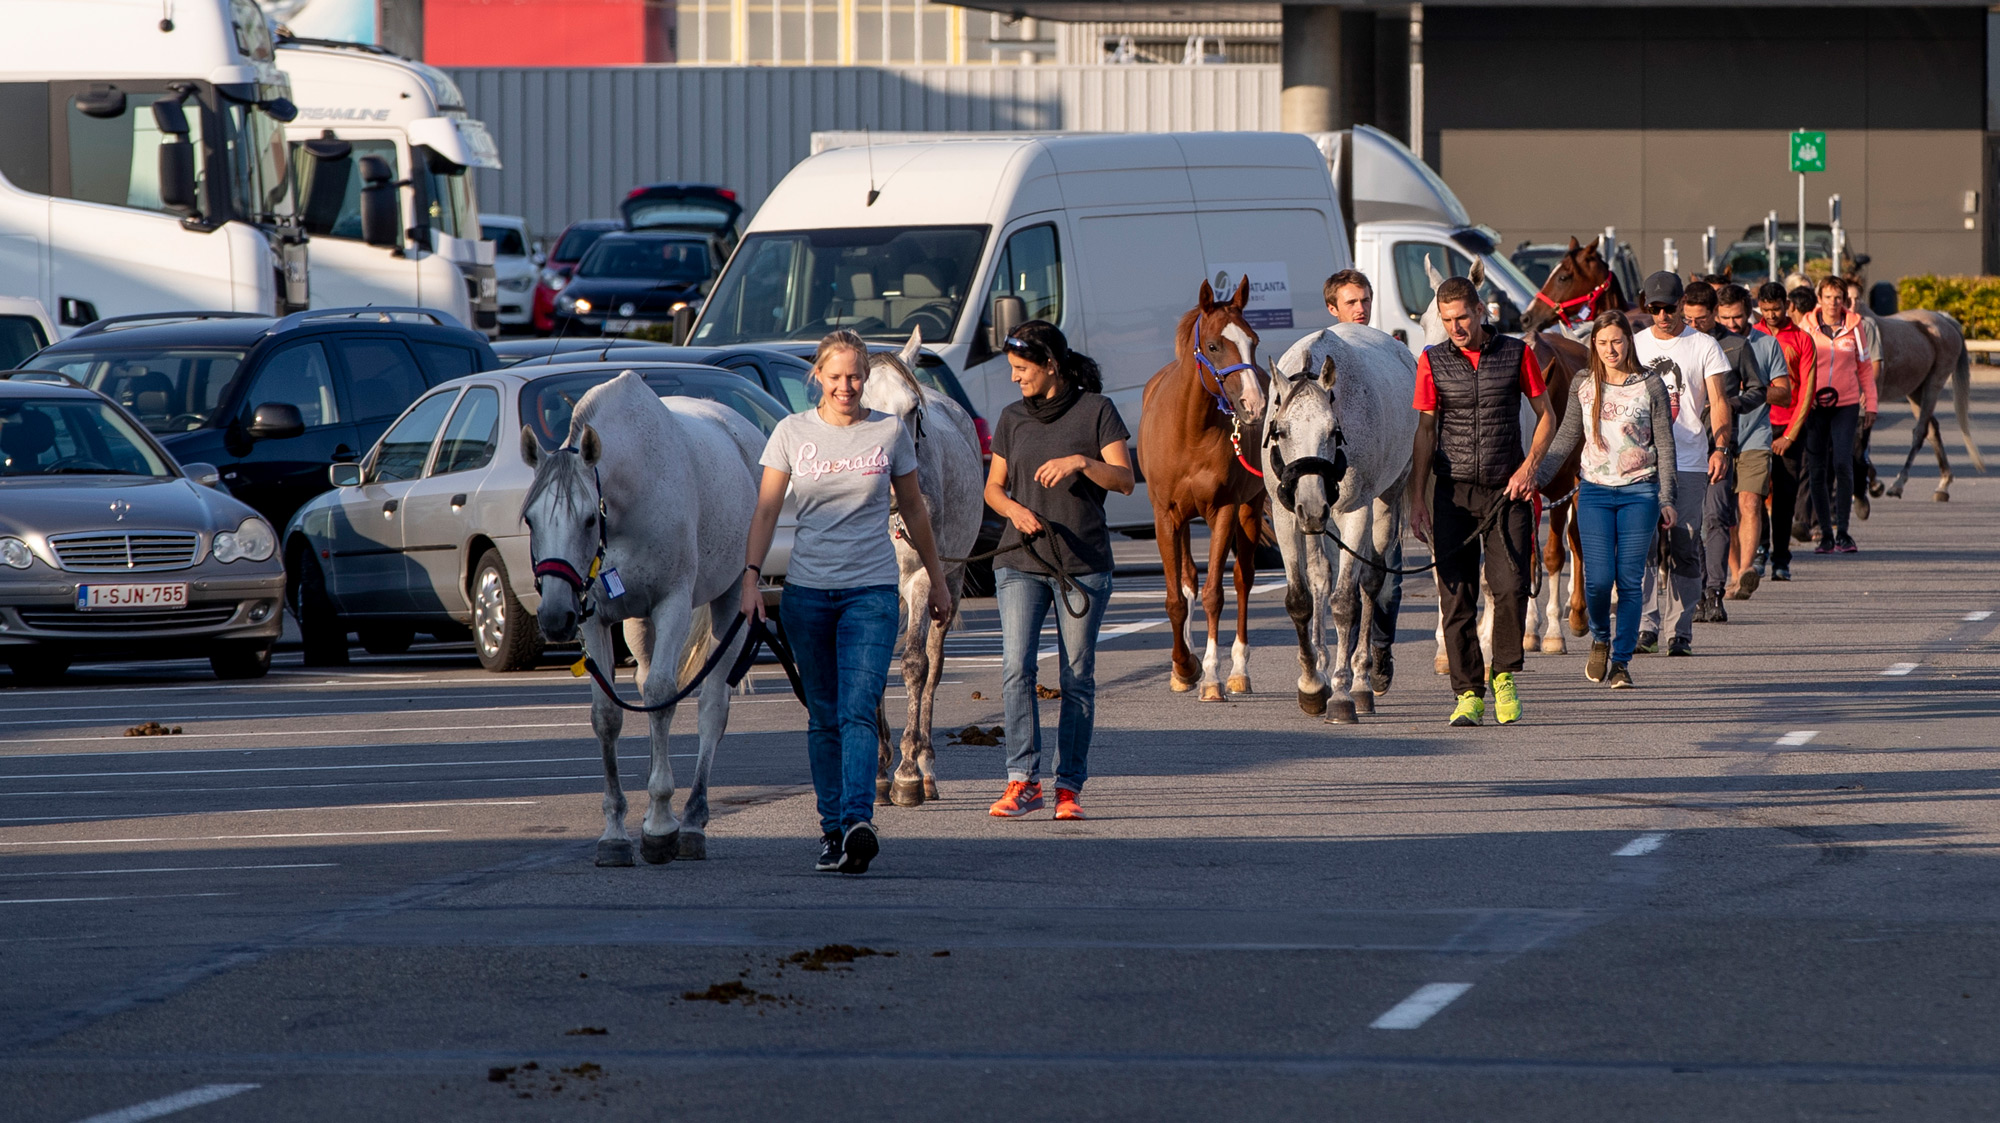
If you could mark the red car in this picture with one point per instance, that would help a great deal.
(577, 238)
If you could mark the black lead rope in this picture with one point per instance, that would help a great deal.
(1065, 583)
(760, 635)
(1479, 532)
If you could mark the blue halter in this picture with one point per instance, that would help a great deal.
(1220, 395)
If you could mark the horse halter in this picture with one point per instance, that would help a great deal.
(562, 570)
(1291, 472)
(1221, 396)
(1584, 304)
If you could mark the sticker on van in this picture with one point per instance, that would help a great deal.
(1270, 303)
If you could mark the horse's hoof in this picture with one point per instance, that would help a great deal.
(1384, 674)
(1553, 645)
(1895, 492)
(694, 846)
(614, 852)
(1213, 693)
(1314, 701)
(1875, 488)
(907, 793)
(1941, 496)
(1441, 664)
(1180, 685)
(882, 791)
(1579, 627)
(658, 849)
(1342, 713)
(1364, 702)
(1239, 684)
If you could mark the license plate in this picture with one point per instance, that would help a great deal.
(619, 326)
(155, 594)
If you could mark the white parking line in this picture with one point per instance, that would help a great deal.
(140, 772)
(1899, 668)
(223, 837)
(1644, 844)
(173, 869)
(1798, 737)
(1975, 617)
(77, 900)
(1418, 1008)
(167, 1105)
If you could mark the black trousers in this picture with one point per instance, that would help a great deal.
(1786, 472)
(1830, 437)
(1457, 509)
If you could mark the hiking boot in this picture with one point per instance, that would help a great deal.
(1680, 646)
(1825, 546)
(1600, 654)
(1066, 805)
(1506, 703)
(1845, 545)
(858, 847)
(1471, 709)
(1021, 798)
(829, 852)
(1620, 678)
(1649, 643)
(1781, 573)
(1746, 583)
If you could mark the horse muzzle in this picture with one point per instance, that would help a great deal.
(1328, 472)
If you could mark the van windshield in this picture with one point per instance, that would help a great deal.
(880, 281)
(169, 390)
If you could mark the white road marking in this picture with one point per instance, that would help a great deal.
(1975, 617)
(138, 772)
(222, 837)
(167, 1105)
(584, 705)
(1899, 668)
(175, 869)
(1161, 594)
(1798, 737)
(391, 729)
(1418, 1008)
(1644, 844)
(76, 900)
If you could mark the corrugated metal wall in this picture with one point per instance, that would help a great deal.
(573, 141)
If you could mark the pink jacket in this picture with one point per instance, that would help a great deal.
(1845, 359)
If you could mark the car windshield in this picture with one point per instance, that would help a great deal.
(879, 281)
(1536, 265)
(654, 259)
(547, 403)
(506, 240)
(169, 391)
(72, 436)
(576, 243)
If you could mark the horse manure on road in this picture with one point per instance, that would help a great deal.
(973, 735)
(819, 959)
(152, 729)
(978, 697)
(1046, 693)
(586, 1031)
(734, 992)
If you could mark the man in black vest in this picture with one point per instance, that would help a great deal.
(1469, 391)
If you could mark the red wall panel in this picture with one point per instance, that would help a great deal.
(535, 32)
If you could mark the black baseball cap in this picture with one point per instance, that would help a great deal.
(1662, 288)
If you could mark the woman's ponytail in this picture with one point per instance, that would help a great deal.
(1080, 371)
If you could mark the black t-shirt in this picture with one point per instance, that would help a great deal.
(1074, 509)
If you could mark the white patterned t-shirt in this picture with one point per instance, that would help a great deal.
(1623, 451)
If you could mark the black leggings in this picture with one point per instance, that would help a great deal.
(1829, 437)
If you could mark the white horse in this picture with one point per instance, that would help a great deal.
(1338, 430)
(951, 475)
(642, 517)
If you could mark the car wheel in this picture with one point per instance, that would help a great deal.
(387, 639)
(322, 632)
(505, 634)
(241, 660)
(44, 667)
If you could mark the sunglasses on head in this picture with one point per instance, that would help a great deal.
(1027, 349)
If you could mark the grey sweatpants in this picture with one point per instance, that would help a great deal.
(1683, 587)
(1718, 526)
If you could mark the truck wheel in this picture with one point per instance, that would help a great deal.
(241, 660)
(322, 632)
(387, 639)
(505, 634)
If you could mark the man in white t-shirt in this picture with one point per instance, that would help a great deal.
(1692, 365)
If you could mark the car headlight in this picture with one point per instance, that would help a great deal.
(252, 540)
(579, 305)
(553, 280)
(517, 284)
(15, 553)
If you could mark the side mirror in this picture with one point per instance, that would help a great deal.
(344, 475)
(1009, 312)
(103, 102)
(275, 421)
(539, 254)
(205, 474)
(381, 214)
(177, 190)
(281, 110)
(170, 116)
(684, 322)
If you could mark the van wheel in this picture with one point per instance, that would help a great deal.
(44, 667)
(387, 639)
(322, 632)
(503, 633)
(241, 660)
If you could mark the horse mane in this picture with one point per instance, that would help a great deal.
(1184, 334)
(562, 471)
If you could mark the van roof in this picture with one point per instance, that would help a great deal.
(958, 180)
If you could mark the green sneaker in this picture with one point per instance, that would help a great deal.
(1506, 703)
(1471, 708)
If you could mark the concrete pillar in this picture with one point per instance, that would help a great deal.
(400, 27)
(1309, 97)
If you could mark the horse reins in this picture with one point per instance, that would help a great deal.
(1488, 523)
(1588, 303)
(1221, 396)
(562, 570)
(1066, 584)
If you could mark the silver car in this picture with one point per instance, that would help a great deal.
(111, 550)
(425, 534)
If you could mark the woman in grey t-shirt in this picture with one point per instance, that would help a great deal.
(840, 460)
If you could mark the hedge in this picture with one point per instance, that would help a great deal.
(1975, 301)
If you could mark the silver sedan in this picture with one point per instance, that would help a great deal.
(425, 534)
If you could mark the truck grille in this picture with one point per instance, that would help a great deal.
(110, 623)
(143, 551)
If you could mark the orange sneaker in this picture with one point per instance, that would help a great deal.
(1067, 806)
(1021, 798)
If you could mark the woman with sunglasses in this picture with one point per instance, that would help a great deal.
(1056, 453)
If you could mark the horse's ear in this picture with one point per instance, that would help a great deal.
(1326, 372)
(909, 352)
(531, 449)
(1207, 296)
(591, 447)
(1574, 245)
(1478, 276)
(1242, 296)
(1431, 271)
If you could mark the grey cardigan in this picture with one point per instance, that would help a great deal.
(1571, 433)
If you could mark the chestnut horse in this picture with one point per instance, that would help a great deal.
(1199, 449)
(1579, 287)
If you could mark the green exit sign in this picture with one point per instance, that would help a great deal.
(1808, 151)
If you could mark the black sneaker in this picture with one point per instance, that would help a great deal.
(1680, 646)
(829, 852)
(1649, 643)
(1704, 609)
(1781, 573)
(858, 848)
(1620, 678)
(1845, 545)
(1600, 654)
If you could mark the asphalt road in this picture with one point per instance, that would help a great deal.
(1761, 886)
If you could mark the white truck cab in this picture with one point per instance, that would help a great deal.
(368, 116)
(142, 160)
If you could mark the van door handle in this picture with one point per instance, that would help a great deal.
(458, 500)
(389, 508)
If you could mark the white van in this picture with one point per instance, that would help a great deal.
(1108, 235)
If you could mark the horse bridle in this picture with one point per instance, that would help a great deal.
(562, 570)
(1291, 472)
(1588, 301)
(1221, 396)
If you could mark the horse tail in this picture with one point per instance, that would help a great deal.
(1961, 392)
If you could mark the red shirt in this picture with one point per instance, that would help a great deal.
(1800, 358)
(1426, 399)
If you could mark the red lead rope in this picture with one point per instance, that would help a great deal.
(1587, 300)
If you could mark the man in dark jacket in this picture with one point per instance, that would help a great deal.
(1469, 487)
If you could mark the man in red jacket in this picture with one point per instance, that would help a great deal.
(1775, 319)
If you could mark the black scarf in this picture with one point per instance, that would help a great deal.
(1047, 410)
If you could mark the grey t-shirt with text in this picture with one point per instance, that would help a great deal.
(840, 481)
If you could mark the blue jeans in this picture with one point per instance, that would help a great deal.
(843, 639)
(1025, 600)
(1617, 525)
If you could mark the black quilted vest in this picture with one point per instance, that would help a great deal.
(1478, 411)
